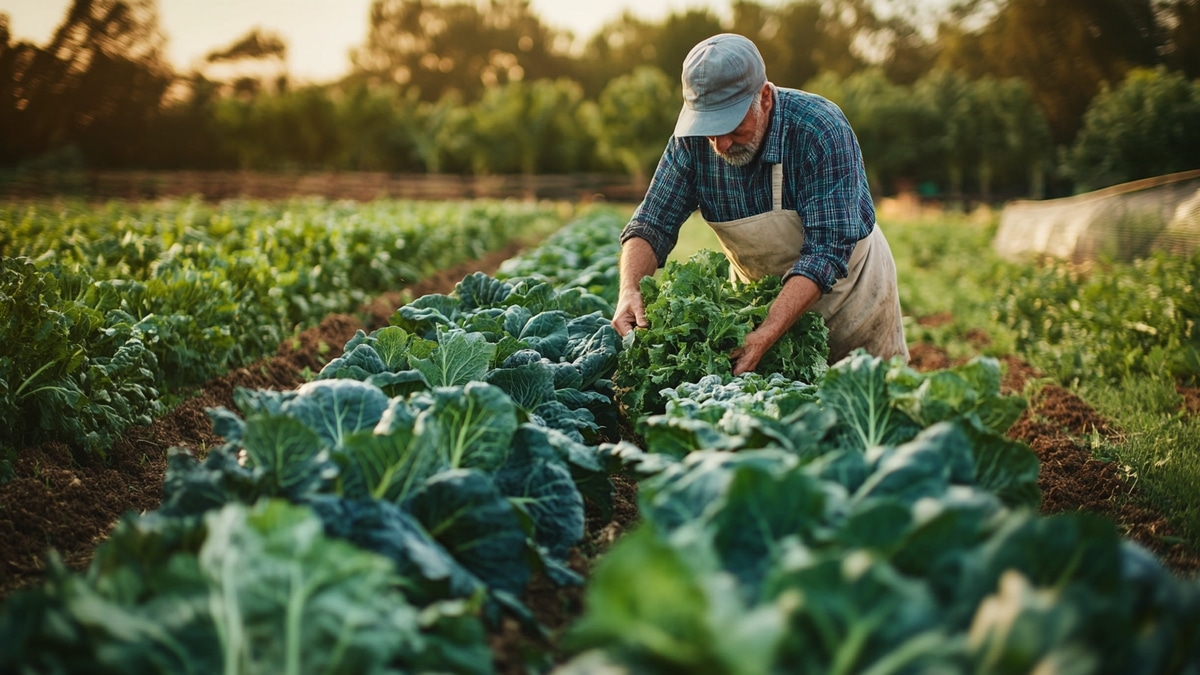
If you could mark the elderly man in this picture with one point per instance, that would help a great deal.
(778, 175)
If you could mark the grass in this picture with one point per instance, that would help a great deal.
(695, 235)
(1159, 445)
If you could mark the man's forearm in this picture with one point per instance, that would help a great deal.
(637, 261)
(796, 296)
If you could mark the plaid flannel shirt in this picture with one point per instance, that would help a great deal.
(823, 179)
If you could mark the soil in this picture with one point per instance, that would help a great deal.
(69, 503)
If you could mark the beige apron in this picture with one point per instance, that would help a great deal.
(862, 310)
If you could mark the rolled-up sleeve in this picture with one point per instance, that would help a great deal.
(670, 200)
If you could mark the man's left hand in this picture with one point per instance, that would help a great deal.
(746, 357)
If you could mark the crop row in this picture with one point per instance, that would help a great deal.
(381, 516)
(385, 516)
(106, 310)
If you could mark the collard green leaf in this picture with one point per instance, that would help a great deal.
(919, 468)
(391, 344)
(762, 506)
(192, 488)
(427, 314)
(460, 357)
(856, 389)
(387, 466)
(688, 490)
(289, 456)
(676, 436)
(540, 485)
(535, 295)
(334, 409)
(467, 514)
(529, 384)
(546, 333)
(402, 383)
(969, 389)
(858, 615)
(478, 290)
(579, 424)
(385, 528)
(1007, 468)
(654, 608)
(286, 598)
(474, 425)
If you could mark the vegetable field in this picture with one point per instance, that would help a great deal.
(478, 475)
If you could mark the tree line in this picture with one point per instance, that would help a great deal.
(989, 97)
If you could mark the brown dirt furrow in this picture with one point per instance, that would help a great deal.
(1071, 478)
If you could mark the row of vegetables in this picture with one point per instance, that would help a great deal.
(107, 312)
(860, 517)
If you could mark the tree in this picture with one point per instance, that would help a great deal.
(896, 131)
(458, 46)
(949, 94)
(1181, 19)
(628, 42)
(1064, 49)
(633, 118)
(96, 85)
(802, 39)
(528, 128)
(1015, 138)
(257, 50)
(377, 129)
(1146, 126)
(295, 129)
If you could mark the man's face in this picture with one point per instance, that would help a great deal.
(741, 145)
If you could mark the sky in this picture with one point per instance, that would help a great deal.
(319, 33)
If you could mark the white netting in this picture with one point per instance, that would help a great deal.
(1121, 222)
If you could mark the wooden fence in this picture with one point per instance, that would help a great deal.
(360, 186)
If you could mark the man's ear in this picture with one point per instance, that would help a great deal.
(768, 100)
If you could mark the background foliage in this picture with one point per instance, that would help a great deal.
(995, 98)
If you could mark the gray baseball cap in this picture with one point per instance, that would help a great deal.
(721, 76)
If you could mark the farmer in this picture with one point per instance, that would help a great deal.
(778, 175)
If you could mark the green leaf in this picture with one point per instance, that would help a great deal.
(474, 425)
(478, 290)
(856, 389)
(459, 358)
(529, 385)
(288, 453)
(335, 409)
(539, 483)
(467, 514)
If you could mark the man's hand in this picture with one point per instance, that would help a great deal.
(746, 357)
(796, 296)
(637, 261)
(630, 313)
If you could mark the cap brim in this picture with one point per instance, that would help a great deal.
(693, 122)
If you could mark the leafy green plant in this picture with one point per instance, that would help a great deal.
(1121, 321)
(697, 316)
(884, 528)
(256, 589)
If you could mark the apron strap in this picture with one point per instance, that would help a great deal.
(777, 187)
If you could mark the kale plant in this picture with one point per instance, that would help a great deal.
(697, 317)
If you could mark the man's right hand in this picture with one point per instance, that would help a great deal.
(637, 262)
(630, 313)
